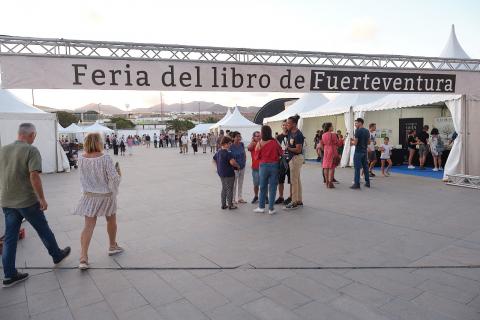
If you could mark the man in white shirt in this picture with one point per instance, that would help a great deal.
(185, 143)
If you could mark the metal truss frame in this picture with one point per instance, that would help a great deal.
(461, 180)
(45, 47)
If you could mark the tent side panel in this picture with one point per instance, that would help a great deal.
(310, 127)
(473, 132)
(45, 140)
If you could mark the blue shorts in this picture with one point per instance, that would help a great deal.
(256, 177)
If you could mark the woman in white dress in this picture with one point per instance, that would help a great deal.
(100, 179)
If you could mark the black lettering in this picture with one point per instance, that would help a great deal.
(234, 79)
(98, 74)
(78, 73)
(113, 73)
(299, 82)
(198, 85)
(127, 72)
(170, 73)
(142, 79)
(250, 77)
(215, 85)
(224, 77)
(260, 81)
(185, 76)
(287, 77)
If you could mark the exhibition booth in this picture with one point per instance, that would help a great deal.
(236, 122)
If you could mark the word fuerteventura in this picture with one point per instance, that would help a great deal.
(213, 77)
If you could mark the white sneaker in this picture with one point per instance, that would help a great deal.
(115, 250)
(411, 167)
(83, 265)
(434, 169)
(259, 210)
(441, 169)
(272, 211)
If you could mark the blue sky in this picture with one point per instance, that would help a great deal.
(368, 26)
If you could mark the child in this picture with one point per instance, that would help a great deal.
(437, 147)
(386, 149)
(226, 165)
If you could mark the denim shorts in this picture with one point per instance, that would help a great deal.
(256, 177)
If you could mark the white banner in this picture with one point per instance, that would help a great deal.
(30, 72)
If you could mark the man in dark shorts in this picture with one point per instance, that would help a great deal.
(361, 142)
(422, 139)
(283, 170)
(22, 197)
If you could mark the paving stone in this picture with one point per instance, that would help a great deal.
(447, 292)
(366, 294)
(266, 309)
(357, 309)
(230, 312)
(12, 295)
(82, 294)
(316, 310)
(232, 289)
(181, 309)
(125, 300)
(407, 310)
(182, 280)
(311, 288)
(41, 283)
(154, 289)
(253, 279)
(58, 314)
(326, 277)
(448, 307)
(142, 313)
(15, 312)
(475, 303)
(109, 282)
(285, 296)
(449, 279)
(205, 298)
(46, 301)
(97, 311)
(383, 284)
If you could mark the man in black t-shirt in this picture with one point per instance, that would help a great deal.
(422, 140)
(295, 143)
(361, 142)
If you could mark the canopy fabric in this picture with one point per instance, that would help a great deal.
(97, 127)
(452, 48)
(341, 104)
(236, 120)
(221, 121)
(73, 128)
(405, 100)
(14, 112)
(10, 103)
(200, 128)
(307, 102)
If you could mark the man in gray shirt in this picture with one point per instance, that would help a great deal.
(21, 197)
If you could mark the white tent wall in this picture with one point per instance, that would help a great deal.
(312, 125)
(46, 140)
(389, 119)
(470, 140)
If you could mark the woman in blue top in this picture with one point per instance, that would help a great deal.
(226, 165)
(238, 151)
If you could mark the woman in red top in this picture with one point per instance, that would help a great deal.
(269, 152)
(330, 144)
(252, 147)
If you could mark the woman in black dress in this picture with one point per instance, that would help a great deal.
(194, 144)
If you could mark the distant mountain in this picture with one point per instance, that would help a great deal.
(174, 107)
(104, 108)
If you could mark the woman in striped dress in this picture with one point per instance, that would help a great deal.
(100, 179)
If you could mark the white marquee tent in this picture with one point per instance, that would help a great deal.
(98, 128)
(237, 122)
(13, 112)
(200, 128)
(221, 121)
(306, 103)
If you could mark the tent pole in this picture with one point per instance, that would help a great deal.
(56, 141)
(466, 129)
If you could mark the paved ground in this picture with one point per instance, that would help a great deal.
(409, 248)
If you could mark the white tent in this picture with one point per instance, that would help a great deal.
(221, 121)
(452, 48)
(237, 122)
(200, 128)
(337, 111)
(98, 128)
(73, 128)
(13, 112)
(306, 103)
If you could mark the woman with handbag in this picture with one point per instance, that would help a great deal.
(331, 158)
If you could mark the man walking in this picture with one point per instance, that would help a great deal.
(361, 141)
(21, 196)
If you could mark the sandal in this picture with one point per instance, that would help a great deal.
(83, 265)
(115, 250)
